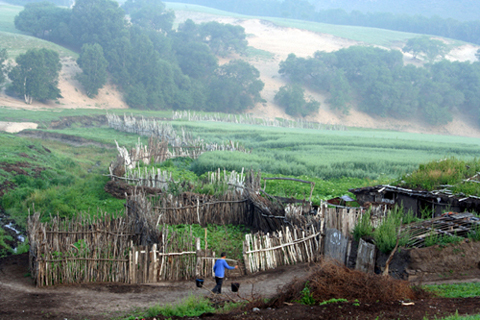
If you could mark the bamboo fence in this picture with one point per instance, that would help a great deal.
(173, 258)
(135, 249)
(287, 246)
(164, 142)
(248, 119)
(80, 250)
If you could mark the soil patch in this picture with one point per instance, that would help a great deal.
(64, 138)
(445, 263)
(83, 121)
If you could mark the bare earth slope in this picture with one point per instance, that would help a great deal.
(281, 41)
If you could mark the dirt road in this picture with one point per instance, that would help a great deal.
(20, 299)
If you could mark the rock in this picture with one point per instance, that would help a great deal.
(256, 310)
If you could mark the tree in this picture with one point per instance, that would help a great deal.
(45, 20)
(3, 60)
(94, 67)
(235, 87)
(97, 21)
(36, 75)
(195, 59)
(150, 14)
(223, 38)
(432, 48)
(292, 98)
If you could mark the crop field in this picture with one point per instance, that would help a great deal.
(336, 160)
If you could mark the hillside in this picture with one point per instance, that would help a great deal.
(459, 10)
(281, 41)
(270, 44)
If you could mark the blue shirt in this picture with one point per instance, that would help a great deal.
(219, 268)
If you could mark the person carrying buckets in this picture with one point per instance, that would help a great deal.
(219, 270)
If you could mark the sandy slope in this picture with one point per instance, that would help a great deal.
(280, 42)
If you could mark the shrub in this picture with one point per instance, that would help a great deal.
(363, 227)
(387, 232)
(474, 233)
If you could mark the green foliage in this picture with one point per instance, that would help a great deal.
(442, 240)
(96, 21)
(455, 290)
(333, 300)
(474, 233)
(430, 47)
(45, 20)
(386, 233)
(306, 296)
(192, 306)
(235, 87)
(226, 238)
(5, 249)
(456, 316)
(450, 171)
(383, 86)
(363, 228)
(51, 180)
(94, 67)
(36, 75)
(150, 14)
(3, 66)
(292, 98)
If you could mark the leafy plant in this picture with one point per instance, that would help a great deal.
(363, 227)
(387, 232)
(441, 240)
(333, 300)
(474, 233)
(306, 296)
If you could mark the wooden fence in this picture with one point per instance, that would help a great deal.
(164, 142)
(134, 249)
(288, 246)
(80, 250)
(248, 119)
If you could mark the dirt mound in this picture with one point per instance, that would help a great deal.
(330, 280)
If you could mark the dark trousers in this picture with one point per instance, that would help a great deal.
(218, 287)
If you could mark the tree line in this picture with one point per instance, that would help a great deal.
(468, 31)
(381, 85)
(155, 66)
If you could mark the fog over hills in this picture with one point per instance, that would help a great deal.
(462, 10)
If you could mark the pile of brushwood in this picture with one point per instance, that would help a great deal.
(330, 280)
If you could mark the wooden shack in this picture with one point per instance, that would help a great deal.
(419, 201)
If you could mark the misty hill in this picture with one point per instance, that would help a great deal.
(462, 10)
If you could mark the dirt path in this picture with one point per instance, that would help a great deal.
(20, 299)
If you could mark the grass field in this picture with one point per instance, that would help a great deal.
(17, 42)
(7, 16)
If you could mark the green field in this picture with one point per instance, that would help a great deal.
(17, 42)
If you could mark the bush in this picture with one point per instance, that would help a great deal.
(387, 232)
(363, 228)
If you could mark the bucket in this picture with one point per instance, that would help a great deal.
(199, 282)
(235, 286)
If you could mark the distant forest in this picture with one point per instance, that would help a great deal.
(463, 10)
(381, 85)
(421, 22)
(155, 66)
